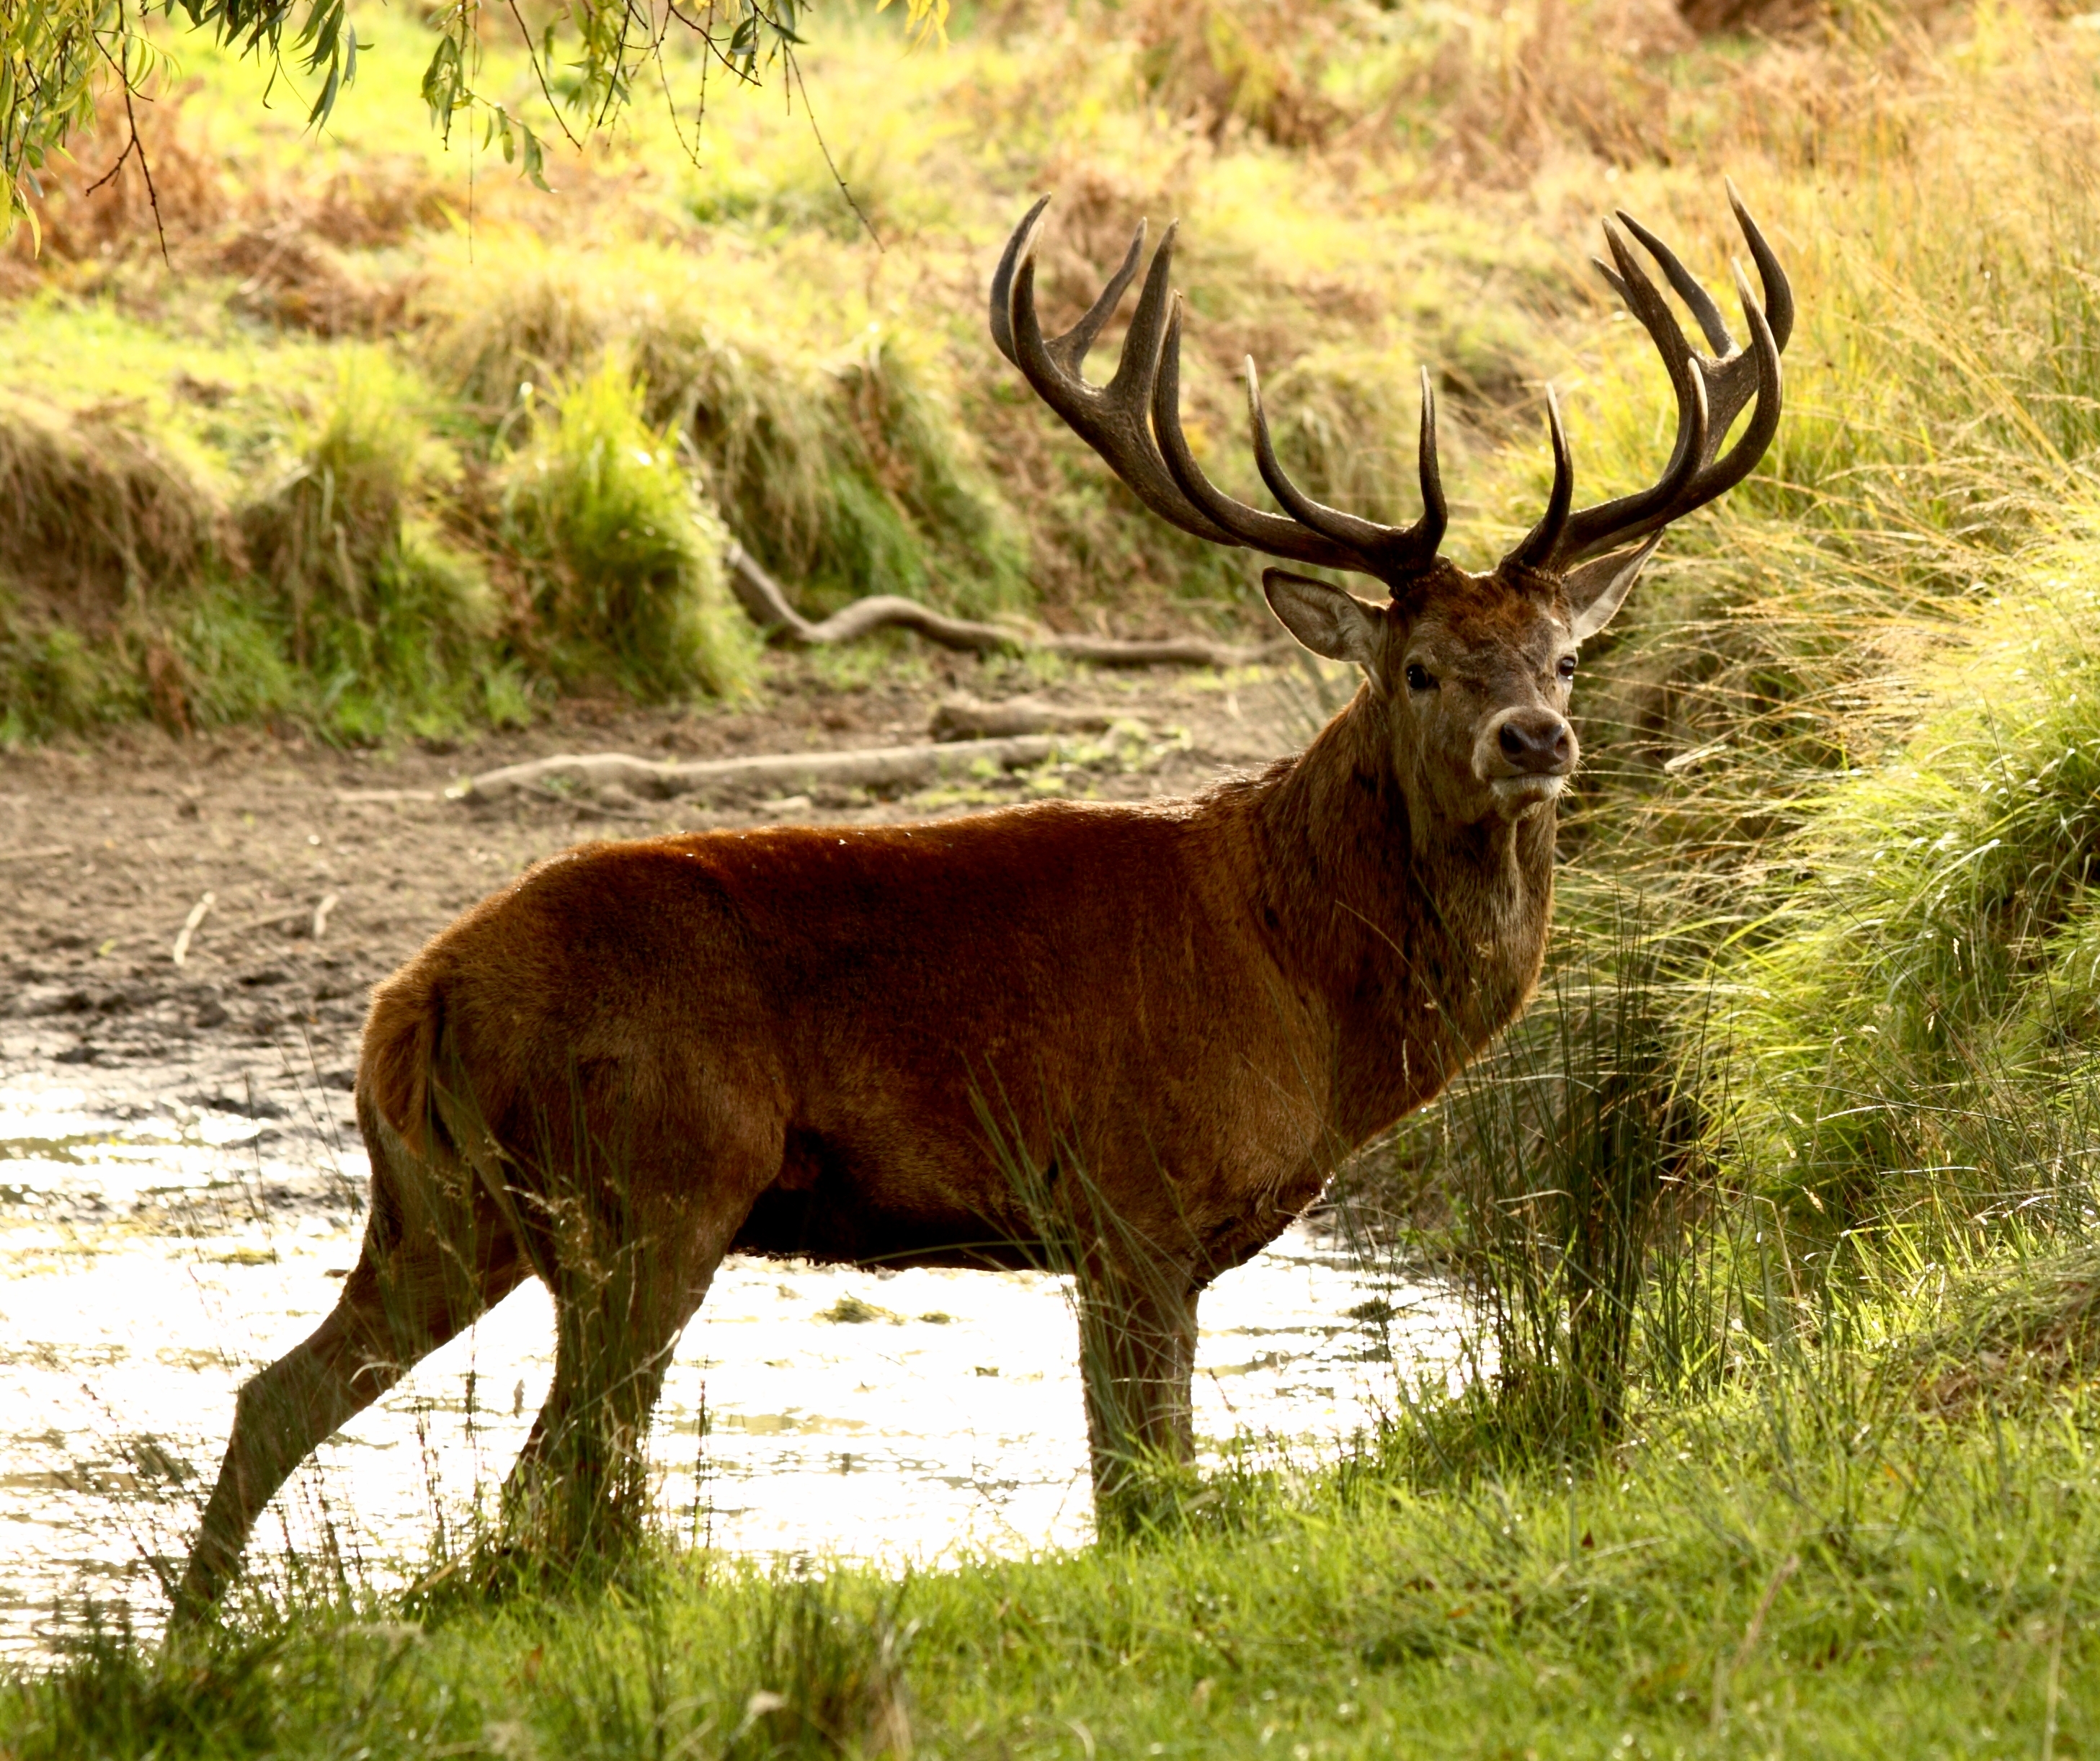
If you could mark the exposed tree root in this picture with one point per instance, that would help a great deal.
(895, 767)
(762, 597)
(964, 718)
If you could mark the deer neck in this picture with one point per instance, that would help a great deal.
(1421, 939)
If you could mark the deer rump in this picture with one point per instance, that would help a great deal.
(906, 1046)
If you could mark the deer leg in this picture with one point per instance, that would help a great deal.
(1137, 1359)
(630, 1251)
(412, 1290)
(581, 1482)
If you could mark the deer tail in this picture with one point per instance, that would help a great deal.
(401, 1038)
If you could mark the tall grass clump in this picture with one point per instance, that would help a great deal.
(1575, 1156)
(1920, 988)
(389, 620)
(619, 557)
(101, 529)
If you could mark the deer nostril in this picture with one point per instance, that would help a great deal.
(1545, 745)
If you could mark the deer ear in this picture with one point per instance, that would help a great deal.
(1328, 620)
(1596, 590)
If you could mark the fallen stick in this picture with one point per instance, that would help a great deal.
(780, 773)
(294, 920)
(964, 718)
(42, 853)
(328, 902)
(582, 804)
(763, 598)
(198, 913)
(1170, 651)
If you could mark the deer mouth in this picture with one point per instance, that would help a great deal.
(1527, 788)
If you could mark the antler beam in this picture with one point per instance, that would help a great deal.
(1711, 393)
(1134, 422)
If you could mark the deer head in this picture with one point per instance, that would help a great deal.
(1471, 673)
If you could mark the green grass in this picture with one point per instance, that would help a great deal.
(1821, 1563)
(1924, 973)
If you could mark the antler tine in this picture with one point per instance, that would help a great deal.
(1436, 512)
(1139, 366)
(1002, 280)
(1544, 539)
(1696, 299)
(1389, 548)
(1113, 420)
(1266, 532)
(1779, 291)
(1645, 299)
(1711, 393)
(1764, 355)
(1077, 343)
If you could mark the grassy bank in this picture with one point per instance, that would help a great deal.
(1361, 193)
(1834, 1559)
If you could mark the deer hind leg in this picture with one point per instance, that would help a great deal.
(625, 1282)
(1138, 1361)
(580, 1483)
(436, 1255)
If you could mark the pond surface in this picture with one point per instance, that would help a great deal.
(158, 1243)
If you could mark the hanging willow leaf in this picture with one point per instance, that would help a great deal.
(58, 57)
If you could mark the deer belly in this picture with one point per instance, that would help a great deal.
(826, 1206)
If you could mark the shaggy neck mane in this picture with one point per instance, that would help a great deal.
(1422, 940)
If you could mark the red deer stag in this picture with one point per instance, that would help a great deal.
(1132, 1040)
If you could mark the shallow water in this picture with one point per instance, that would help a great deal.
(156, 1246)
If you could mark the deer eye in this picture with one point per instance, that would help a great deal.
(1567, 667)
(1417, 677)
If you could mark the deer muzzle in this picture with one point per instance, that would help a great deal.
(1525, 755)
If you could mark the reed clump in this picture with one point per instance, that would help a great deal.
(617, 554)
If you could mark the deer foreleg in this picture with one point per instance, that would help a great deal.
(1137, 1359)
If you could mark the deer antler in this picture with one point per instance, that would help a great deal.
(1134, 422)
(1711, 393)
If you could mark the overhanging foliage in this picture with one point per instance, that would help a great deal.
(60, 58)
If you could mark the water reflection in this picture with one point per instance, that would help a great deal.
(153, 1254)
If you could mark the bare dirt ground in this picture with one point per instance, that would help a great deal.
(107, 848)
